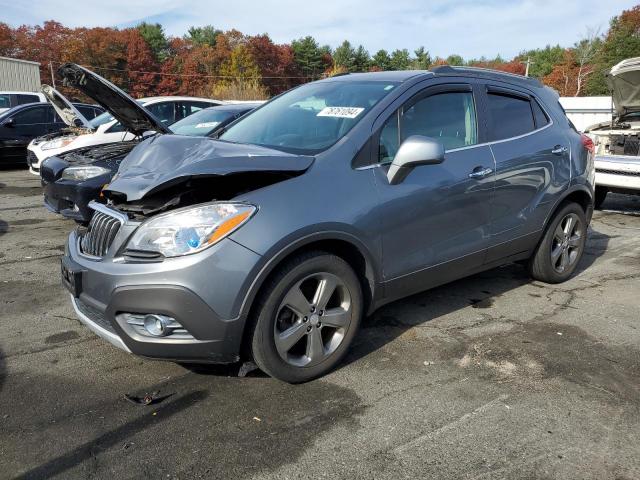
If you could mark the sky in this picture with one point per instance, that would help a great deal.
(465, 27)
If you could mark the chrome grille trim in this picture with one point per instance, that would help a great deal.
(101, 232)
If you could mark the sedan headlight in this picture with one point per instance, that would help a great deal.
(57, 143)
(190, 230)
(83, 173)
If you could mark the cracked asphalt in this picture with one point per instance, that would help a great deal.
(494, 376)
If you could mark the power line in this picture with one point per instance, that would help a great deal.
(283, 77)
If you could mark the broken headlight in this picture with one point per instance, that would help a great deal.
(83, 173)
(189, 230)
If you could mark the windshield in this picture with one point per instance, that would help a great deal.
(103, 118)
(202, 123)
(310, 118)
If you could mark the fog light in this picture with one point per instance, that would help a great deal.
(157, 325)
(153, 325)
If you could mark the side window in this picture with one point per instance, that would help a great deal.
(447, 117)
(5, 100)
(87, 112)
(511, 116)
(30, 116)
(539, 116)
(162, 111)
(22, 99)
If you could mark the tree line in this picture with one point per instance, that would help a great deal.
(208, 62)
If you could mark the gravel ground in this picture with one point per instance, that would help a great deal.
(494, 376)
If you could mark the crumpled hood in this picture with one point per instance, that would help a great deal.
(624, 81)
(135, 118)
(63, 107)
(166, 160)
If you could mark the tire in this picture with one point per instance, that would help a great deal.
(293, 338)
(546, 264)
(600, 196)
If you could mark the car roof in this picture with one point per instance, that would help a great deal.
(20, 92)
(438, 71)
(150, 100)
(235, 106)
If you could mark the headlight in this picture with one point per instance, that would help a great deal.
(83, 173)
(57, 143)
(190, 230)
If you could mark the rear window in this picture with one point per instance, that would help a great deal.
(511, 116)
(539, 115)
(5, 101)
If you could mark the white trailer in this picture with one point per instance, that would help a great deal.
(586, 111)
(19, 75)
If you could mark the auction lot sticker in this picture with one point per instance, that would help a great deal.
(340, 112)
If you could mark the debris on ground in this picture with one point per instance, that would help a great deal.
(147, 399)
(246, 368)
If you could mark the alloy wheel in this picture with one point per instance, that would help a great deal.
(312, 319)
(566, 243)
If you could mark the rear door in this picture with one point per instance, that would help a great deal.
(532, 167)
(28, 123)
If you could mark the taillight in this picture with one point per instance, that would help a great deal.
(588, 143)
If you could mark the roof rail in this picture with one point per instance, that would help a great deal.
(442, 69)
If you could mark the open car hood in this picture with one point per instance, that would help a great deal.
(63, 107)
(624, 81)
(133, 116)
(165, 161)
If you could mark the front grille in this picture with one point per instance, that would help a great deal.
(31, 159)
(95, 315)
(618, 172)
(100, 234)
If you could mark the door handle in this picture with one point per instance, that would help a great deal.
(480, 172)
(559, 150)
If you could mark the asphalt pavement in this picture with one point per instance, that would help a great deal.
(494, 376)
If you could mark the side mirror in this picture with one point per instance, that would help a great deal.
(9, 122)
(414, 151)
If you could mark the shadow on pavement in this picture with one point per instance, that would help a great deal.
(111, 438)
(478, 291)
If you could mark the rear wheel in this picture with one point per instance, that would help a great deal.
(307, 317)
(561, 247)
(601, 195)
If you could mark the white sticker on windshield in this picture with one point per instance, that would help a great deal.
(340, 112)
(207, 124)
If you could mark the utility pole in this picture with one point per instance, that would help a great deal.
(53, 78)
(528, 63)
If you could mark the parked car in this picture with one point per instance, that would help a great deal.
(107, 129)
(21, 124)
(618, 142)
(325, 203)
(13, 99)
(210, 121)
(73, 178)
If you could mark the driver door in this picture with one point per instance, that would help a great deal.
(435, 224)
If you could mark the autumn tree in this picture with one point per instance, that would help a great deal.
(239, 77)
(276, 63)
(622, 41)
(140, 65)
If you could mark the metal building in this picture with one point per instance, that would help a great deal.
(19, 75)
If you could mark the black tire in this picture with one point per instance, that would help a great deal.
(296, 275)
(601, 195)
(542, 265)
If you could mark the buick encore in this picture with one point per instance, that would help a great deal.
(276, 239)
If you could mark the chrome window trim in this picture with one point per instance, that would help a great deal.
(493, 142)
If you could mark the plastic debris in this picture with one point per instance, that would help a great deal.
(146, 399)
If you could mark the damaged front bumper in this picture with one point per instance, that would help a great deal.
(203, 292)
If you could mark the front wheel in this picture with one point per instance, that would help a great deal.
(307, 317)
(561, 247)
